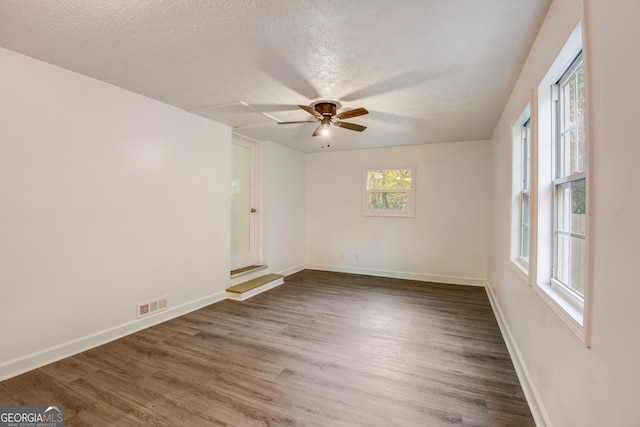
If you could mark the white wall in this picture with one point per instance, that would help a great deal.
(284, 194)
(446, 241)
(107, 198)
(571, 384)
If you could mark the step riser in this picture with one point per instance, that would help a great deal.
(247, 271)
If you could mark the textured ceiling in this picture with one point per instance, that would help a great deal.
(427, 70)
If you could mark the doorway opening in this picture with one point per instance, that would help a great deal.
(245, 223)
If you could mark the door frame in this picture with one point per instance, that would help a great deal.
(255, 234)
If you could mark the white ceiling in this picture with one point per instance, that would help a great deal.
(427, 70)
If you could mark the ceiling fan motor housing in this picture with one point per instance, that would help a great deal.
(326, 109)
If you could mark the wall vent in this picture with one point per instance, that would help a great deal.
(148, 308)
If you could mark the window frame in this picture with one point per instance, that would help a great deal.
(410, 212)
(525, 190)
(521, 159)
(574, 311)
(563, 181)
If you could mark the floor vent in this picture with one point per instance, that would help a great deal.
(148, 308)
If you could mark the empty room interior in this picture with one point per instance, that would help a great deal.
(372, 213)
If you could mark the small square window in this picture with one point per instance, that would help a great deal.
(389, 192)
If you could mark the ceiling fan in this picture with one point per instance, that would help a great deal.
(325, 112)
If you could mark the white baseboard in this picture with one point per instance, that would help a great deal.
(14, 367)
(531, 394)
(292, 270)
(423, 277)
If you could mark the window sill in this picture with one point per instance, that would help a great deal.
(390, 213)
(571, 315)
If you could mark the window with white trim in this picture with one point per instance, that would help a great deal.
(525, 191)
(521, 192)
(561, 242)
(570, 181)
(389, 192)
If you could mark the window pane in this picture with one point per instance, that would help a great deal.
(580, 119)
(573, 143)
(525, 243)
(563, 207)
(572, 147)
(562, 262)
(524, 237)
(525, 208)
(578, 207)
(524, 250)
(526, 157)
(564, 149)
(388, 201)
(570, 265)
(389, 179)
(582, 148)
(578, 265)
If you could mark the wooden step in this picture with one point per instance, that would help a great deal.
(246, 270)
(244, 290)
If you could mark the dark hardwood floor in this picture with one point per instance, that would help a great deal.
(323, 349)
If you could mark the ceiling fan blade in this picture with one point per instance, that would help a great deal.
(318, 131)
(352, 113)
(298, 121)
(309, 110)
(350, 126)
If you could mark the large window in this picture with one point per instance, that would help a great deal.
(570, 230)
(521, 192)
(561, 193)
(389, 192)
(525, 190)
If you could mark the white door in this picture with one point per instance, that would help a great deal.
(243, 204)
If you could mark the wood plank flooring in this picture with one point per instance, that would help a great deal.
(323, 349)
